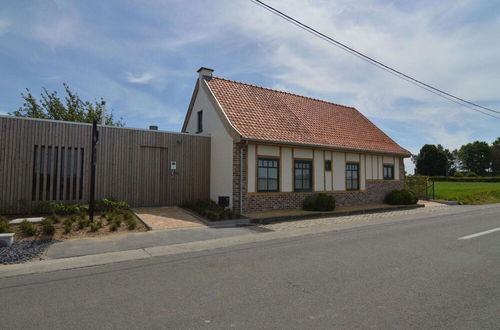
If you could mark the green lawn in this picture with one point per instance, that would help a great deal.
(468, 192)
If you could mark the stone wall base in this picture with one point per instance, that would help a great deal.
(374, 194)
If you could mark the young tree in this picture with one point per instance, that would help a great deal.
(72, 108)
(431, 161)
(475, 157)
(495, 157)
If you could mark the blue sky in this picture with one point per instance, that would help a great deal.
(142, 57)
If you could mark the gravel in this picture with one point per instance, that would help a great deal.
(20, 252)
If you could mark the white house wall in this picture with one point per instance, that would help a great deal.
(286, 168)
(221, 157)
(370, 166)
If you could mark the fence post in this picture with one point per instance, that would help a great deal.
(93, 160)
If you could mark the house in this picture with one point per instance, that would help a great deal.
(271, 149)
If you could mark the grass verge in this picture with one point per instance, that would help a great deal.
(471, 193)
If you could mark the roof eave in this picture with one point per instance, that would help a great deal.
(380, 152)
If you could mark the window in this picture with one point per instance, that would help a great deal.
(388, 172)
(303, 175)
(268, 169)
(352, 176)
(57, 173)
(328, 165)
(200, 122)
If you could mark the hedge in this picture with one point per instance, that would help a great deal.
(401, 197)
(319, 202)
(465, 179)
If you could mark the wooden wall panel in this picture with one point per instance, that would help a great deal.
(121, 172)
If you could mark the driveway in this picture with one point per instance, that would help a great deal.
(167, 217)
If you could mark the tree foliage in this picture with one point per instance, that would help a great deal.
(71, 108)
(495, 157)
(431, 160)
(475, 157)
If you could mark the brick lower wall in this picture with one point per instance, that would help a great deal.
(375, 191)
(374, 194)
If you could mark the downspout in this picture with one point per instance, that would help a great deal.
(241, 178)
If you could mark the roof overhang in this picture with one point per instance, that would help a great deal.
(333, 148)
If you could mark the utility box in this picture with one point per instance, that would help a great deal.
(173, 165)
(223, 201)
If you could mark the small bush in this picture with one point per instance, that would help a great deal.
(131, 224)
(4, 226)
(48, 227)
(111, 205)
(319, 202)
(95, 226)
(83, 222)
(28, 228)
(113, 226)
(68, 227)
(54, 218)
(458, 174)
(471, 175)
(212, 216)
(128, 216)
(401, 197)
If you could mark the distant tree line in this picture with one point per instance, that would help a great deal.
(476, 158)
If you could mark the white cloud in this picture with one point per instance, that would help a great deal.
(64, 31)
(143, 78)
(4, 26)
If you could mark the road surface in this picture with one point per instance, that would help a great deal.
(438, 272)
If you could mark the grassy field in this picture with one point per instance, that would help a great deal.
(469, 192)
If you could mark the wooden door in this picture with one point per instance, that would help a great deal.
(154, 174)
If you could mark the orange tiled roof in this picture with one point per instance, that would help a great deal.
(264, 114)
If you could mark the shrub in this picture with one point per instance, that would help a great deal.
(131, 224)
(83, 222)
(28, 228)
(471, 175)
(117, 220)
(68, 227)
(458, 174)
(95, 226)
(319, 202)
(4, 226)
(401, 197)
(111, 205)
(54, 218)
(127, 216)
(48, 227)
(212, 216)
(113, 227)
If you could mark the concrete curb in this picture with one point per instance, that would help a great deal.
(268, 220)
(220, 223)
(445, 202)
(148, 226)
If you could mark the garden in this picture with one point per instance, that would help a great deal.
(57, 222)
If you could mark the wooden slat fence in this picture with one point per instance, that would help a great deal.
(42, 160)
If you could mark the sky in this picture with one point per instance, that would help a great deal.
(142, 57)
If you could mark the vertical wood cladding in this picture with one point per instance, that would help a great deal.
(44, 160)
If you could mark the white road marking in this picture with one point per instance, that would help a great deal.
(481, 233)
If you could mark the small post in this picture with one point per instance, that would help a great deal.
(433, 191)
(93, 161)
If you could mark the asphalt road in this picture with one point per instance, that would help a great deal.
(411, 274)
